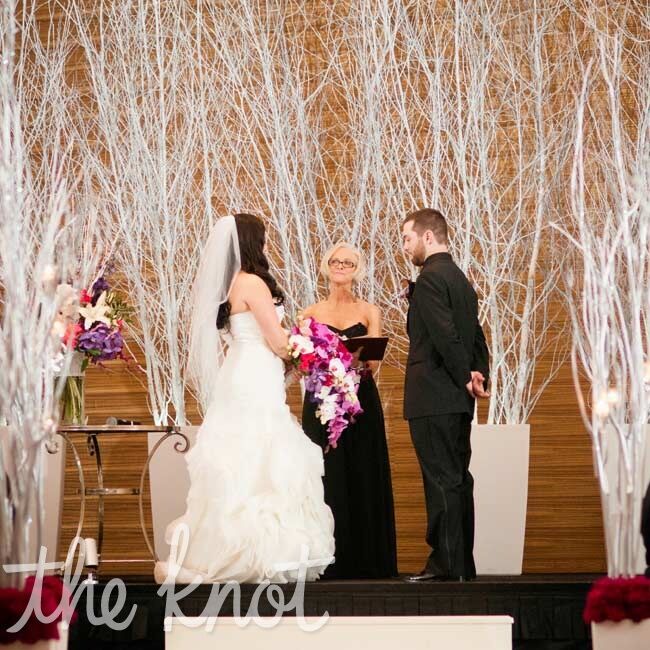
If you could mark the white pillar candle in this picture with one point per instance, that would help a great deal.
(90, 550)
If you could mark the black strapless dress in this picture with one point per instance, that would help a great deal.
(358, 486)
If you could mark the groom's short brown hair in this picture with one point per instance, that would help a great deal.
(429, 219)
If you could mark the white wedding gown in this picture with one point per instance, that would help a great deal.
(256, 493)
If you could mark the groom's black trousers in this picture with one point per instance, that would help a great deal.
(442, 445)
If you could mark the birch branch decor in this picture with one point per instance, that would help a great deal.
(149, 120)
(331, 121)
(33, 254)
(608, 296)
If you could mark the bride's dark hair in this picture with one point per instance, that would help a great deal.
(251, 234)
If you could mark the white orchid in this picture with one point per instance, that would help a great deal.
(300, 345)
(326, 411)
(96, 313)
(347, 383)
(325, 394)
(337, 369)
(352, 397)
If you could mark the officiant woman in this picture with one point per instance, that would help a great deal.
(357, 472)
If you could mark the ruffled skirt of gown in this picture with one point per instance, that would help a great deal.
(256, 499)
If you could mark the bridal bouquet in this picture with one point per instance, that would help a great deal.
(330, 378)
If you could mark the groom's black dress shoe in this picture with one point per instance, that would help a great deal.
(423, 576)
(426, 576)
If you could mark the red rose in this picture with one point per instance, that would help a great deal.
(14, 603)
(55, 593)
(637, 599)
(11, 607)
(85, 297)
(616, 599)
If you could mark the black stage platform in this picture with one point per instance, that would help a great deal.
(547, 609)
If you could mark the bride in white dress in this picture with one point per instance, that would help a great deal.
(256, 494)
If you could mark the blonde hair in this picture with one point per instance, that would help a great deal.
(359, 271)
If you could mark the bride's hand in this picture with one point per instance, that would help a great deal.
(355, 359)
(291, 375)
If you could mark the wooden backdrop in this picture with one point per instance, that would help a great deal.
(563, 528)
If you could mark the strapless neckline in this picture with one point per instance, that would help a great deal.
(278, 308)
(358, 329)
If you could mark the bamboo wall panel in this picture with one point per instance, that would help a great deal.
(563, 529)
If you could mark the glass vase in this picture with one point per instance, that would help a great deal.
(72, 401)
(72, 398)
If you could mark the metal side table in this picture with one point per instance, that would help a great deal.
(93, 435)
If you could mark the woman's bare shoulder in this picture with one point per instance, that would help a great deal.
(368, 307)
(248, 280)
(313, 310)
(246, 287)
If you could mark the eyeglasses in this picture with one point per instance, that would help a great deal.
(346, 264)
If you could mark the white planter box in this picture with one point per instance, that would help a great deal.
(170, 482)
(500, 468)
(60, 644)
(345, 633)
(625, 635)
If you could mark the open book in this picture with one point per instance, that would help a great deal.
(372, 348)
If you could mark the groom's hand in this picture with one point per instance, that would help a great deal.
(478, 382)
(407, 289)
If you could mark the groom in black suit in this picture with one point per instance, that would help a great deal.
(447, 369)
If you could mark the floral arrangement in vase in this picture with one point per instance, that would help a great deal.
(331, 379)
(90, 323)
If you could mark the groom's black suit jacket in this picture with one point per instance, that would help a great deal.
(446, 341)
